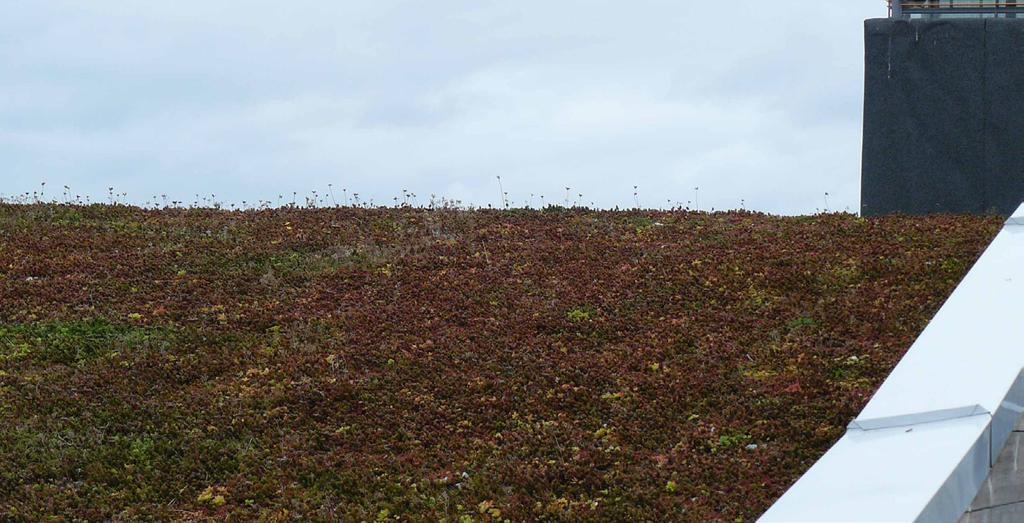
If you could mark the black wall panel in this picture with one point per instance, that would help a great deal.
(943, 116)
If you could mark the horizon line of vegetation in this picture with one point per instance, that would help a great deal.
(408, 199)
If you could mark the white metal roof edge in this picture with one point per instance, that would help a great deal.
(923, 473)
(956, 493)
(1007, 416)
(952, 492)
(960, 488)
(852, 482)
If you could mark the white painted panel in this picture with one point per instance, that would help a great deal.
(889, 475)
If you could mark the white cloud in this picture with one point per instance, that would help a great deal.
(249, 100)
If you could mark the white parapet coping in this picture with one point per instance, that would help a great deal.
(923, 445)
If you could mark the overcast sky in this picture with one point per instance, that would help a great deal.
(759, 101)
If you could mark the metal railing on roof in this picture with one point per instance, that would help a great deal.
(940, 8)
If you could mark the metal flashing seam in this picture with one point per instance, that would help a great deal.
(918, 418)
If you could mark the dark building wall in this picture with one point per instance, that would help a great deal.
(943, 116)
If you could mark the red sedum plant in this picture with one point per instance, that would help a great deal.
(443, 365)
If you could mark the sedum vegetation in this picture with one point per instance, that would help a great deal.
(359, 364)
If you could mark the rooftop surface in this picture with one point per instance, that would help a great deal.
(365, 364)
